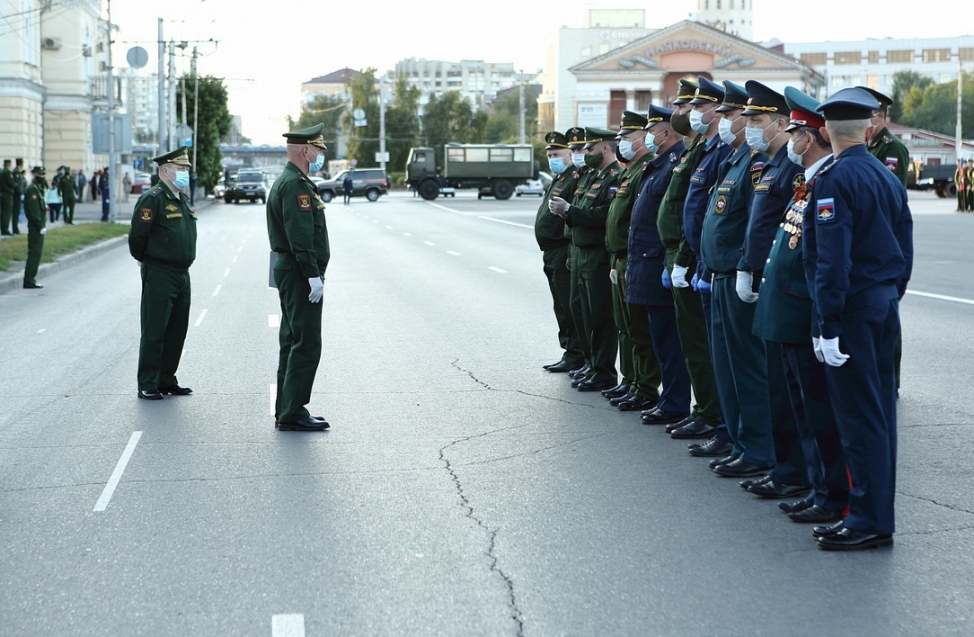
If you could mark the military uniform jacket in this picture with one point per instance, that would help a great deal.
(19, 181)
(702, 181)
(582, 177)
(8, 185)
(859, 247)
(65, 186)
(645, 262)
(620, 210)
(587, 216)
(885, 147)
(780, 179)
(549, 229)
(669, 221)
(784, 310)
(163, 229)
(724, 227)
(34, 207)
(296, 222)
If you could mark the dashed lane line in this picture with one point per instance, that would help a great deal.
(291, 625)
(941, 297)
(217, 290)
(452, 253)
(497, 270)
(200, 319)
(508, 223)
(109, 490)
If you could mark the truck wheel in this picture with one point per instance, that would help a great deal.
(951, 190)
(503, 189)
(372, 194)
(940, 192)
(327, 195)
(429, 190)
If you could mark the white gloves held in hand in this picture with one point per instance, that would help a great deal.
(745, 284)
(317, 289)
(678, 278)
(43, 231)
(614, 276)
(558, 206)
(827, 351)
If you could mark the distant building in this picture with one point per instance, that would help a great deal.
(333, 84)
(729, 16)
(478, 81)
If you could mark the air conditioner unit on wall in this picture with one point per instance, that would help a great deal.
(51, 43)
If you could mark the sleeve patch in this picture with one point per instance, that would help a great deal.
(145, 215)
(304, 202)
(826, 210)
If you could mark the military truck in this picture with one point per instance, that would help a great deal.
(493, 169)
(936, 177)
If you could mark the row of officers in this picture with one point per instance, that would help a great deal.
(742, 255)
(964, 183)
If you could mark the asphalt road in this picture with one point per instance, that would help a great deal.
(461, 490)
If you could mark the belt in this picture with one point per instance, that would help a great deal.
(879, 293)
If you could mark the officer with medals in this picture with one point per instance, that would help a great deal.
(783, 318)
(739, 359)
(36, 212)
(858, 260)
(163, 241)
(298, 234)
(549, 230)
(590, 263)
(646, 261)
(640, 371)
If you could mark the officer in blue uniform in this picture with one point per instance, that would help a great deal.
(646, 261)
(783, 318)
(858, 260)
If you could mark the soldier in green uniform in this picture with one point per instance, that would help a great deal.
(21, 180)
(9, 189)
(640, 371)
(970, 185)
(163, 241)
(960, 184)
(66, 188)
(298, 234)
(591, 269)
(36, 226)
(549, 231)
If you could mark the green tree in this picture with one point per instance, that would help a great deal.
(402, 123)
(363, 141)
(450, 118)
(502, 126)
(213, 125)
(903, 81)
(326, 109)
(935, 107)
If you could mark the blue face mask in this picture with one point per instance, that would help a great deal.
(557, 165)
(182, 179)
(316, 165)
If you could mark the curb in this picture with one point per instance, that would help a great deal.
(15, 280)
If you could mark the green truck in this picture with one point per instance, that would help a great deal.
(493, 169)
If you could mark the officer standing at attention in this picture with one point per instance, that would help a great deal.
(298, 234)
(549, 231)
(36, 226)
(960, 183)
(21, 181)
(858, 260)
(637, 360)
(586, 217)
(67, 189)
(9, 191)
(163, 241)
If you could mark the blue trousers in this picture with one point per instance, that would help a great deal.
(675, 395)
(789, 466)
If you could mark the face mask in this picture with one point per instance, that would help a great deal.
(792, 155)
(680, 123)
(650, 142)
(316, 165)
(557, 165)
(625, 149)
(755, 138)
(696, 122)
(578, 159)
(724, 130)
(181, 180)
(594, 160)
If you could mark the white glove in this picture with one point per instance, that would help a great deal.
(614, 276)
(817, 348)
(558, 206)
(317, 289)
(744, 282)
(678, 278)
(43, 231)
(831, 353)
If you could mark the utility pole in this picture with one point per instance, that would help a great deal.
(520, 118)
(113, 187)
(163, 128)
(382, 122)
(171, 100)
(959, 143)
(196, 108)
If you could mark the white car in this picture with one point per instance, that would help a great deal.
(531, 187)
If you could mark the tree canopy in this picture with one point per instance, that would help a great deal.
(213, 125)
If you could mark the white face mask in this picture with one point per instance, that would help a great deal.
(724, 130)
(650, 142)
(578, 159)
(792, 155)
(625, 149)
(696, 122)
(755, 138)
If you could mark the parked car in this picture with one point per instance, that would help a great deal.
(367, 182)
(220, 189)
(532, 187)
(140, 182)
(249, 185)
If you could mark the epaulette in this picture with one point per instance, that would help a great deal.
(613, 172)
(826, 168)
(673, 158)
(887, 140)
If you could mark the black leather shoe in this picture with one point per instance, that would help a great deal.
(850, 540)
(550, 365)
(750, 482)
(310, 423)
(578, 380)
(693, 429)
(739, 469)
(559, 368)
(636, 403)
(149, 394)
(774, 491)
(591, 385)
(32, 286)
(795, 507)
(176, 390)
(621, 399)
(581, 371)
(673, 426)
(657, 416)
(716, 462)
(713, 448)
(831, 529)
(814, 514)
(614, 392)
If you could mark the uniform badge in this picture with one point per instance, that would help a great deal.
(304, 202)
(720, 204)
(892, 163)
(146, 215)
(798, 182)
(826, 210)
(171, 208)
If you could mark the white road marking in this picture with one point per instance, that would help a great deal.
(429, 243)
(273, 397)
(217, 290)
(239, 249)
(200, 319)
(375, 221)
(226, 273)
(497, 270)
(109, 490)
(941, 297)
(287, 625)
(456, 254)
(42, 330)
(234, 259)
(406, 234)
(509, 223)
(436, 205)
(389, 228)
(273, 320)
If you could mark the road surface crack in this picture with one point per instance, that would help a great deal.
(469, 373)
(932, 501)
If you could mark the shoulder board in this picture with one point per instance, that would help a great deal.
(614, 172)
(887, 140)
(826, 168)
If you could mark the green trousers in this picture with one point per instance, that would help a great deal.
(575, 305)
(35, 246)
(300, 342)
(635, 339)
(8, 211)
(165, 319)
(560, 285)
(590, 276)
(692, 329)
(68, 210)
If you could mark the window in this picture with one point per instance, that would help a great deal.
(902, 55)
(501, 154)
(873, 57)
(718, 5)
(523, 154)
(848, 57)
(966, 55)
(936, 55)
(815, 59)
(477, 154)
(455, 154)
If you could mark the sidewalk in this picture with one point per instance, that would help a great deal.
(13, 279)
